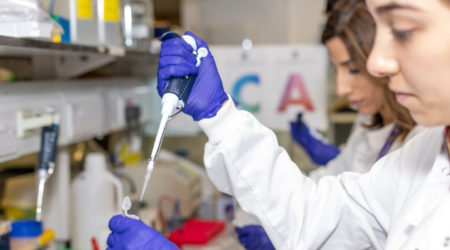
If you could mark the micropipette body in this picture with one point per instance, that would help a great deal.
(47, 156)
(175, 96)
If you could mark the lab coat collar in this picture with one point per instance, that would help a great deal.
(374, 135)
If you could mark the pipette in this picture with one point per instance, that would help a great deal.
(47, 155)
(175, 96)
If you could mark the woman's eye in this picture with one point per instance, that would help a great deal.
(401, 35)
(354, 71)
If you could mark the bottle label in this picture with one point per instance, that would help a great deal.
(84, 9)
(112, 10)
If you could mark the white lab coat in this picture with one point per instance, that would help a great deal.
(402, 203)
(362, 149)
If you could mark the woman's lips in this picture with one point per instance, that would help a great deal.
(402, 97)
(355, 103)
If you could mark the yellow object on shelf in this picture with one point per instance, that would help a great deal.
(15, 213)
(46, 237)
(56, 37)
(129, 157)
(85, 9)
(112, 10)
(7, 75)
(19, 197)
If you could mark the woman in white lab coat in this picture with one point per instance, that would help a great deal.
(402, 203)
(383, 125)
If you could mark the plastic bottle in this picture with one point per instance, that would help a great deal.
(96, 196)
(25, 234)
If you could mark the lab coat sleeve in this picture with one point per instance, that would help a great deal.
(343, 162)
(243, 158)
(336, 166)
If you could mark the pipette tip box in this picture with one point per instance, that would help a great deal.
(196, 231)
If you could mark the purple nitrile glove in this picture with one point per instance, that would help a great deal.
(127, 233)
(253, 237)
(176, 60)
(320, 152)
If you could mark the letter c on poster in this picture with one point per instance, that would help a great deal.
(237, 91)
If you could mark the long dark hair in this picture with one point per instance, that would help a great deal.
(330, 4)
(351, 21)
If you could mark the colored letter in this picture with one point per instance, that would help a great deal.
(295, 94)
(237, 90)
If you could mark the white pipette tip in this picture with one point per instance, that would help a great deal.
(144, 187)
(147, 178)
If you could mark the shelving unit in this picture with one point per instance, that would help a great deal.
(89, 87)
(49, 60)
(16, 46)
(88, 107)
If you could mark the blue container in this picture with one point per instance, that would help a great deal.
(26, 229)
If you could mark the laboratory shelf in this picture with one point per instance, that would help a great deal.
(12, 45)
(86, 109)
(51, 60)
(91, 90)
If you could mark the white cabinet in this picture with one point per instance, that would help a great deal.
(82, 116)
(8, 136)
(21, 99)
(87, 109)
(122, 93)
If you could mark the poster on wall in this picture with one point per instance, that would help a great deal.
(274, 83)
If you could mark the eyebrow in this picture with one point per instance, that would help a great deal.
(393, 6)
(346, 63)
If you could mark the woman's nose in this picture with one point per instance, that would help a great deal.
(382, 61)
(343, 86)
